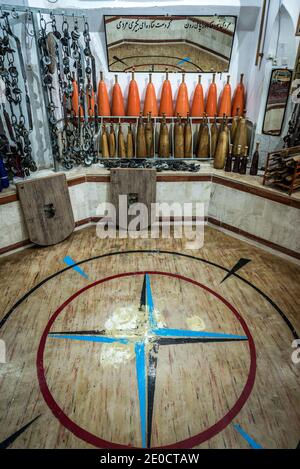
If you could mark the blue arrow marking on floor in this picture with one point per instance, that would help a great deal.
(142, 386)
(187, 333)
(149, 302)
(69, 261)
(249, 440)
(186, 59)
(89, 338)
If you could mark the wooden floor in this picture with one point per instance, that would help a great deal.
(88, 393)
(156, 57)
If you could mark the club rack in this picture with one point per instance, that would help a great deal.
(156, 122)
(62, 39)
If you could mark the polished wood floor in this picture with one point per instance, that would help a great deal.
(96, 384)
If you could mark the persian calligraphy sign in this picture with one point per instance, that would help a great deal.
(181, 43)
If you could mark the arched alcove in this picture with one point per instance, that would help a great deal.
(282, 41)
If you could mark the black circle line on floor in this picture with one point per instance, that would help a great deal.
(150, 251)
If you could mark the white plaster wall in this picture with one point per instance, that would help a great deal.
(98, 193)
(184, 192)
(79, 196)
(280, 44)
(243, 53)
(261, 217)
(266, 219)
(12, 224)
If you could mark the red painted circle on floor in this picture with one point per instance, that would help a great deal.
(184, 444)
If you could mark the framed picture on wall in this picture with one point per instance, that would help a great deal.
(179, 43)
(298, 27)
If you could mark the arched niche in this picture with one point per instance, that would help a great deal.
(282, 43)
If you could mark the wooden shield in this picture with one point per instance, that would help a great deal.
(47, 209)
(139, 185)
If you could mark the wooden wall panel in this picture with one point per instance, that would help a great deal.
(138, 184)
(47, 209)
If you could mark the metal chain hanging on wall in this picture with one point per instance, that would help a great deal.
(73, 119)
(15, 143)
(46, 67)
(292, 139)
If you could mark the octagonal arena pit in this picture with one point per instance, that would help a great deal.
(156, 348)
